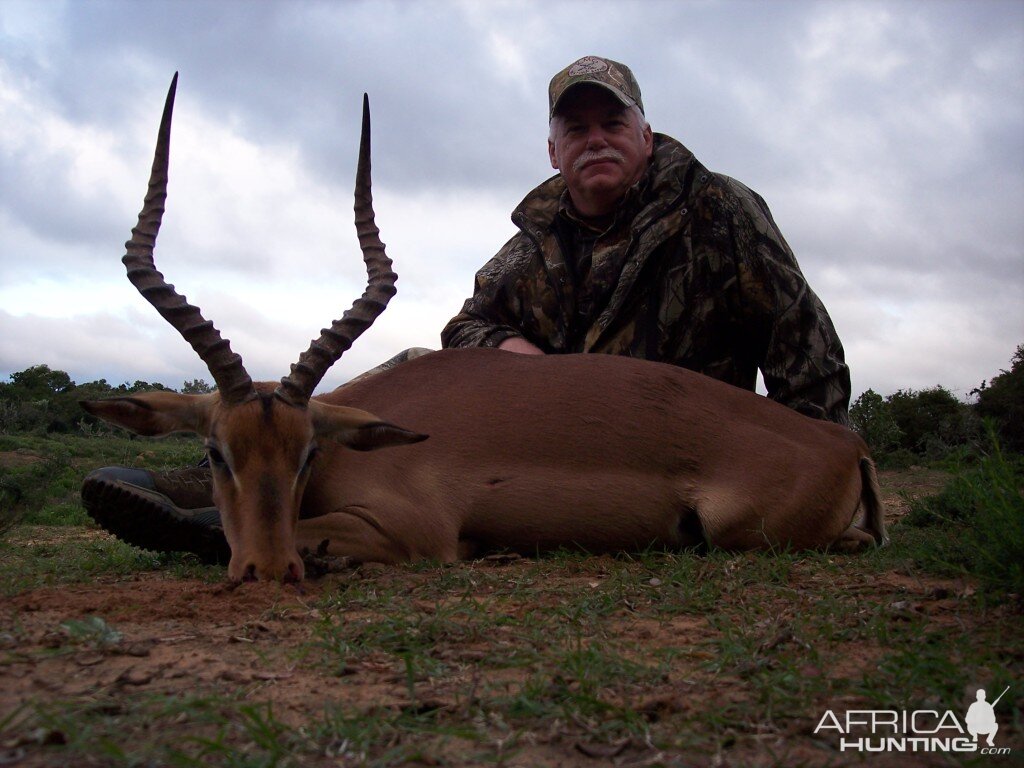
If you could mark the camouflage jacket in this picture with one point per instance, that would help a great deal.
(692, 272)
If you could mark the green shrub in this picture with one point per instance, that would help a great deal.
(913, 427)
(42, 486)
(982, 507)
(42, 401)
(932, 421)
(1003, 401)
(27, 489)
(871, 418)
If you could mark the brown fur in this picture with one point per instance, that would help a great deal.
(524, 452)
(606, 453)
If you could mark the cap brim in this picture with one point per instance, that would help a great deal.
(623, 98)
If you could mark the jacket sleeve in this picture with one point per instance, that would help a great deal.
(492, 313)
(799, 352)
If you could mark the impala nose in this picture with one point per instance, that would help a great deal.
(294, 573)
(287, 572)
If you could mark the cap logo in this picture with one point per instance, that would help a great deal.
(611, 75)
(588, 65)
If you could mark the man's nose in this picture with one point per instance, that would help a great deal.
(596, 137)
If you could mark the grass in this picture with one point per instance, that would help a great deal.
(982, 508)
(593, 681)
(567, 659)
(222, 731)
(40, 484)
(41, 478)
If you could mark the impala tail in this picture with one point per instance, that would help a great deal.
(871, 501)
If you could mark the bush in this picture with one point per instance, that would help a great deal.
(40, 400)
(983, 509)
(1003, 401)
(914, 426)
(25, 490)
(932, 421)
(871, 418)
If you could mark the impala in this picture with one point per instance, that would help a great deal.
(525, 452)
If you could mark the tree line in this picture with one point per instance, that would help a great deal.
(901, 428)
(42, 400)
(931, 424)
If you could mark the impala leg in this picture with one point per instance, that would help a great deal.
(853, 539)
(356, 533)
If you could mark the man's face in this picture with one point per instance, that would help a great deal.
(600, 147)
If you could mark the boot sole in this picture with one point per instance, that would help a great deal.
(148, 520)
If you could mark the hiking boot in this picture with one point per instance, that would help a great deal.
(170, 512)
(189, 488)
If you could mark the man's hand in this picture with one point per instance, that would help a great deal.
(520, 345)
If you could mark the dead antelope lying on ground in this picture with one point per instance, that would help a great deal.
(524, 452)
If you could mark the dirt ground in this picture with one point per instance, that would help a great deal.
(181, 636)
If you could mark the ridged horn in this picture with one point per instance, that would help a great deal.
(297, 387)
(226, 367)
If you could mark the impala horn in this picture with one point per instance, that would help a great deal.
(297, 387)
(225, 366)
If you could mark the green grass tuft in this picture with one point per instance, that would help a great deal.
(981, 511)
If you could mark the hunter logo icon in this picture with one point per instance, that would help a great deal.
(981, 717)
(917, 730)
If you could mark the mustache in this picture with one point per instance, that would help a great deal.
(595, 156)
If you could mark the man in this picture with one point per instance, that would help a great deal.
(634, 248)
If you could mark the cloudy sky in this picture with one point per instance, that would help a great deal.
(888, 139)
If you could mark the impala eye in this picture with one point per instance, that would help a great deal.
(309, 458)
(216, 457)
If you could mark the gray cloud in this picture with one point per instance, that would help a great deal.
(886, 138)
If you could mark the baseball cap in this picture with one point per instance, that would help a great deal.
(610, 75)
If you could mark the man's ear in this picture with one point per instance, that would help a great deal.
(156, 413)
(358, 430)
(552, 156)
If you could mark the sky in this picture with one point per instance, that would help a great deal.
(886, 137)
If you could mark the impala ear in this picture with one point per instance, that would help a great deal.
(370, 437)
(358, 430)
(155, 413)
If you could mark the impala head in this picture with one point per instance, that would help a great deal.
(261, 438)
